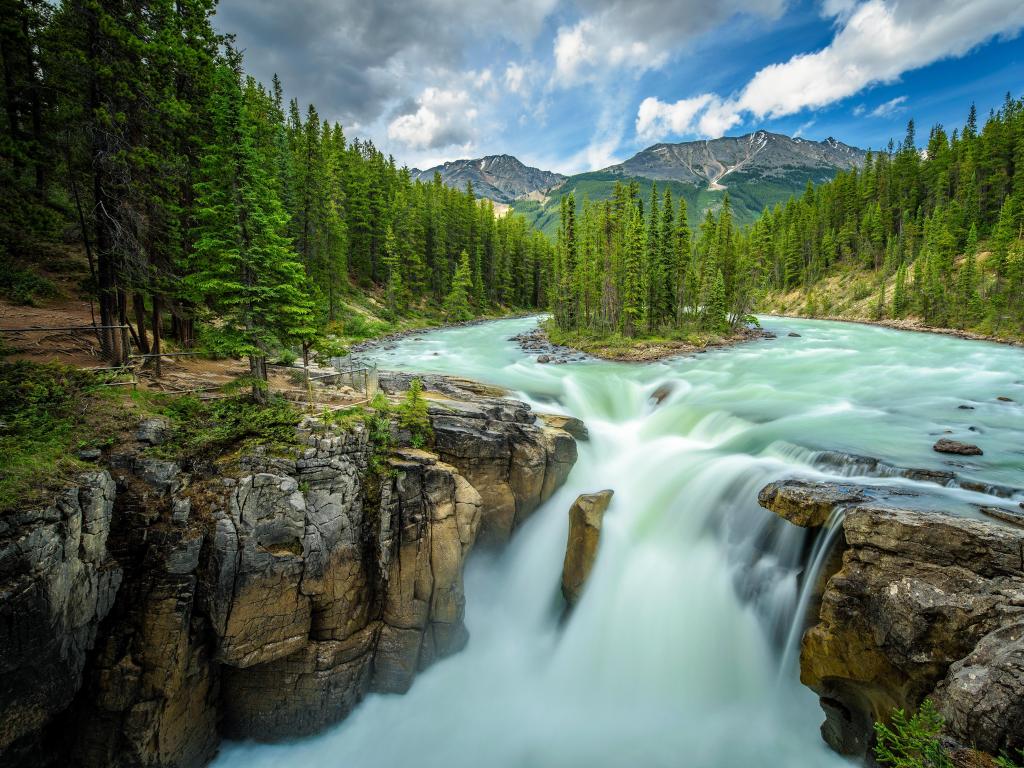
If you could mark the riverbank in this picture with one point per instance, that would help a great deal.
(907, 324)
(560, 346)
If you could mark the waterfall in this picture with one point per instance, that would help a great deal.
(683, 648)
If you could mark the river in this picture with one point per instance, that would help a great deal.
(674, 656)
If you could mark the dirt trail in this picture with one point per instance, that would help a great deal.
(178, 374)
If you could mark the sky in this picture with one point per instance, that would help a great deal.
(579, 85)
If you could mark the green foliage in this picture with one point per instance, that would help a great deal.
(412, 415)
(1006, 762)
(357, 326)
(242, 266)
(456, 305)
(23, 286)
(923, 217)
(622, 268)
(378, 420)
(207, 198)
(912, 742)
(211, 429)
(47, 414)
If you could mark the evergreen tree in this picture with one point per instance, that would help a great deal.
(716, 318)
(456, 305)
(243, 266)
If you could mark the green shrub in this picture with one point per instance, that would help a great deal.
(206, 429)
(358, 326)
(287, 357)
(23, 286)
(378, 420)
(48, 413)
(412, 415)
(912, 742)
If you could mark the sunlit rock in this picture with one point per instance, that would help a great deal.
(586, 516)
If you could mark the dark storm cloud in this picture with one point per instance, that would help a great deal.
(349, 57)
(354, 57)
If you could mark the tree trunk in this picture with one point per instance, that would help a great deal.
(157, 330)
(258, 371)
(139, 305)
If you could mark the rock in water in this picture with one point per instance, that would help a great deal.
(955, 446)
(585, 518)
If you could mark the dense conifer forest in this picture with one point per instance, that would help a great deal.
(933, 232)
(212, 209)
(623, 266)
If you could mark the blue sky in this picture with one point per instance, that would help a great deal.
(574, 86)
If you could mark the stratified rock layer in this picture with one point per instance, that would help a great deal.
(149, 611)
(924, 605)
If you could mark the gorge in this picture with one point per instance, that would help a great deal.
(266, 606)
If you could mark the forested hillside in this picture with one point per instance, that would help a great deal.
(758, 170)
(211, 209)
(934, 234)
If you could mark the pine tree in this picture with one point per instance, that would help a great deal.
(456, 305)
(243, 267)
(715, 314)
(632, 291)
(899, 296)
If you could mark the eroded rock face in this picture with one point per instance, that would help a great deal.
(514, 462)
(264, 605)
(586, 517)
(57, 583)
(924, 605)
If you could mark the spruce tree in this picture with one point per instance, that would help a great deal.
(456, 305)
(716, 318)
(243, 267)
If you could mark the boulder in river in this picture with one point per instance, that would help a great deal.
(946, 445)
(586, 517)
(544, 359)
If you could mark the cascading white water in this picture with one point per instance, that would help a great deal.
(675, 654)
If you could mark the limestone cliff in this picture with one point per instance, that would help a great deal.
(150, 611)
(923, 605)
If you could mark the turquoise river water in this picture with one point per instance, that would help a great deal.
(677, 653)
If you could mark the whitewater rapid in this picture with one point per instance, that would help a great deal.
(675, 655)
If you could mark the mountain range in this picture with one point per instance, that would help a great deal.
(501, 178)
(758, 170)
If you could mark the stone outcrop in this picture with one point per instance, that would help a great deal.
(57, 584)
(150, 611)
(514, 462)
(924, 605)
(586, 517)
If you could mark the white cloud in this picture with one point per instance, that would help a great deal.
(875, 42)
(481, 79)
(514, 74)
(890, 107)
(442, 118)
(639, 35)
(804, 127)
(656, 119)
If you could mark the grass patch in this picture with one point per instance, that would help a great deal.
(47, 414)
(617, 346)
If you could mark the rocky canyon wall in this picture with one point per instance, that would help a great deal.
(148, 612)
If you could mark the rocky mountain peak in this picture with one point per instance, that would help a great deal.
(501, 178)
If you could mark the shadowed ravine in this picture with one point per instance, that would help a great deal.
(673, 655)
